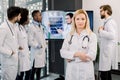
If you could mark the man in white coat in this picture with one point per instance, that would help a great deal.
(67, 25)
(108, 43)
(38, 45)
(9, 45)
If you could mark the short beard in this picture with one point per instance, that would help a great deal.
(102, 16)
(17, 21)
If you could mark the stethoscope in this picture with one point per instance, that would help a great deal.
(10, 29)
(84, 43)
(106, 21)
(35, 23)
(20, 28)
(37, 26)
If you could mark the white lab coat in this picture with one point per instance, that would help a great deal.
(37, 38)
(108, 46)
(24, 55)
(67, 29)
(8, 43)
(77, 69)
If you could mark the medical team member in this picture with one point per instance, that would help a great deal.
(24, 55)
(108, 35)
(38, 45)
(79, 49)
(9, 44)
(67, 25)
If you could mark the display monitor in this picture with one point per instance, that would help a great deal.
(53, 21)
(90, 15)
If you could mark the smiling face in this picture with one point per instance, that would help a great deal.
(80, 21)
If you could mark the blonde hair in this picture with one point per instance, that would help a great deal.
(87, 24)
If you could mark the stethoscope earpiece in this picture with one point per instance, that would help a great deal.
(84, 43)
(70, 42)
(86, 37)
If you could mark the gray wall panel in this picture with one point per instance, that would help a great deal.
(64, 4)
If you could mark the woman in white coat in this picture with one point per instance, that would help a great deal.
(9, 45)
(24, 55)
(79, 49)
(38, 45)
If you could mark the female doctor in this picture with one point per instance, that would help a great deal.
(24, 55)
(79, 49)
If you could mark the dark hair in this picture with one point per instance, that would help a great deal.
(34, 12)
(108, 8)
(24, 15)
(69, 14)
(12, 12)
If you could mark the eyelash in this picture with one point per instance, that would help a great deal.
(81, 19)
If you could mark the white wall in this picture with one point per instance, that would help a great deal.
(95, 4)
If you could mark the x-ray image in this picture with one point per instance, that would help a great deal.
(53, 20)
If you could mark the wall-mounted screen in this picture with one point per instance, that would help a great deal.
(90, 15)
(53, 20)
(54, 23)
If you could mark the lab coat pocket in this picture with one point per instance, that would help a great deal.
(8, 48)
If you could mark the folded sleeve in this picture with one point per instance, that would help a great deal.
(92, 47)
(65, 50)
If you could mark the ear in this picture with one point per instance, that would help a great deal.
(106, 12)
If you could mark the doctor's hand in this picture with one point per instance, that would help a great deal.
(100, 28)
(82, 56)
(12, 53)
(59, 31)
